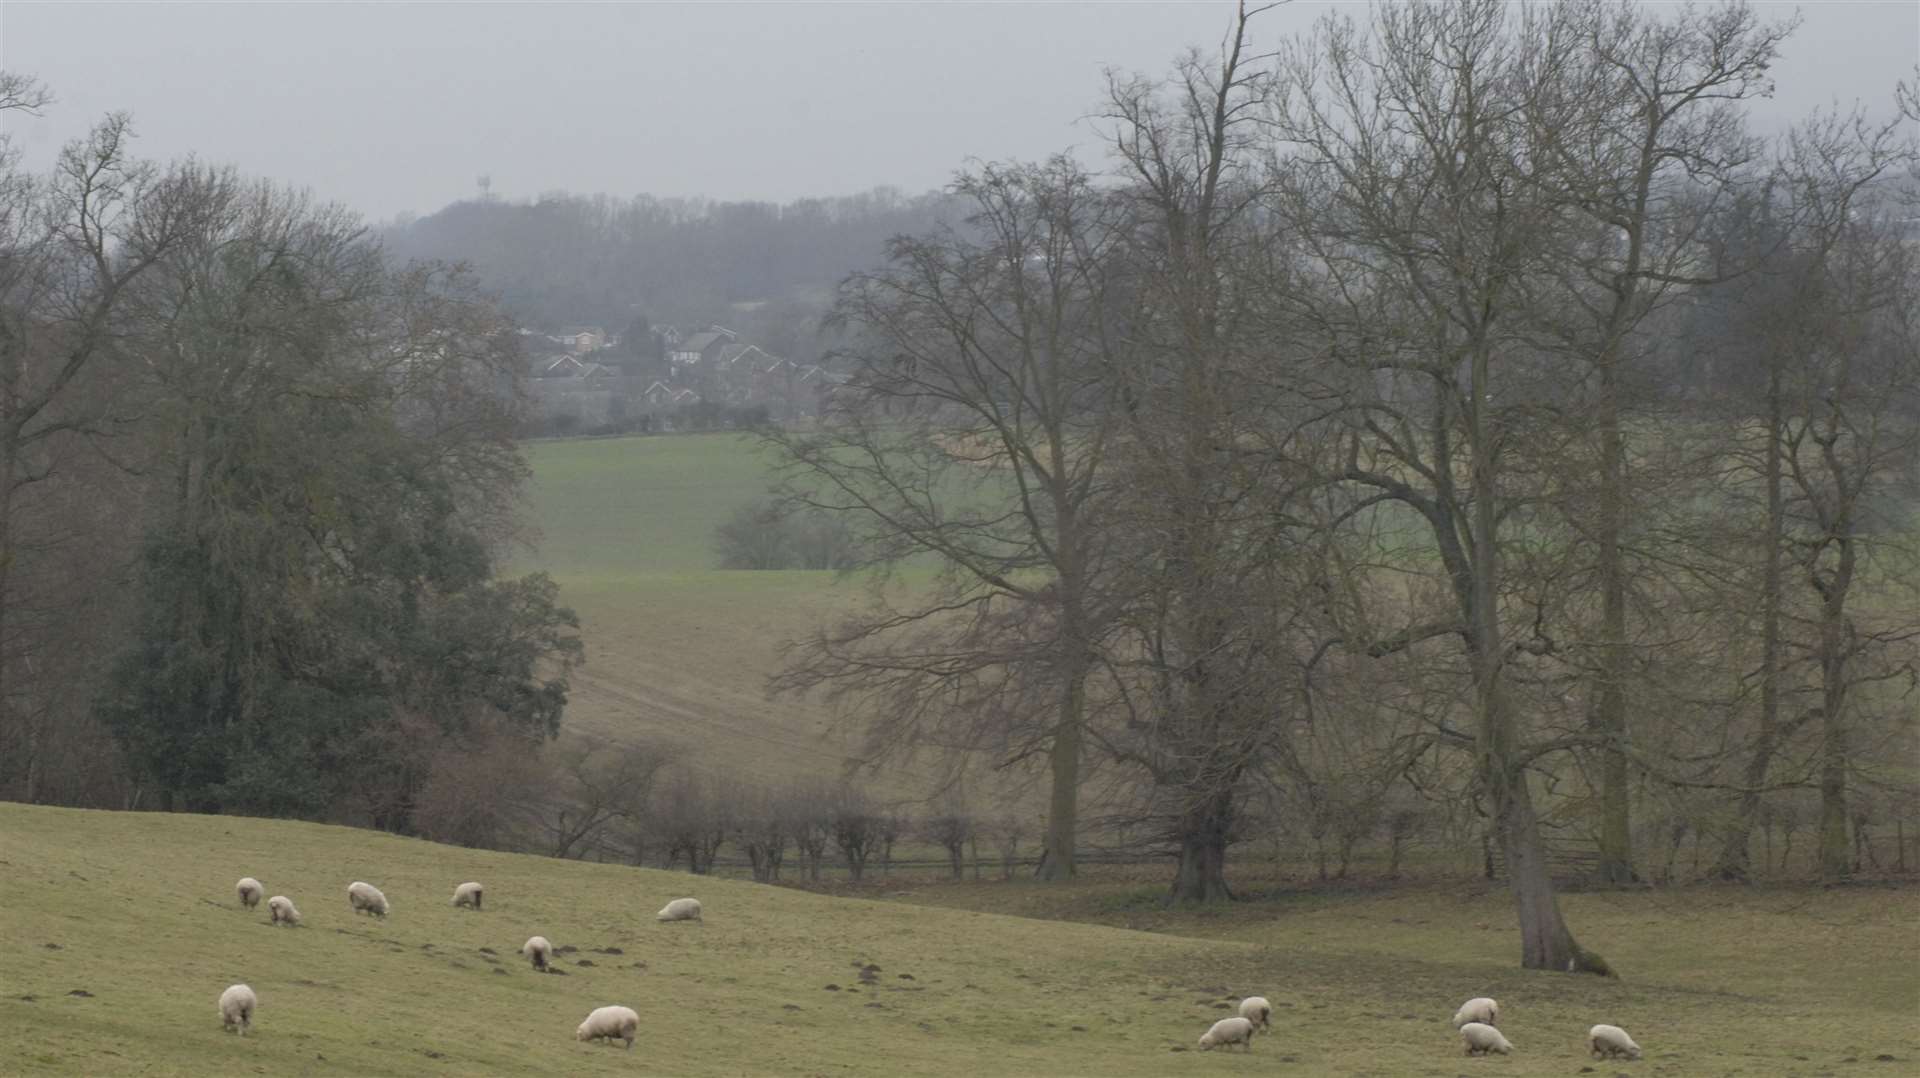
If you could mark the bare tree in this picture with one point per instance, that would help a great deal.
(973, 428)
(1006, 833)
(950, 827)
(1194, 679)
(808, 810)
(857, 829)
(763, 829)
(1412, 177)
(894, 825)
(1643, 139)
(484, 795)
(595, 786)
(71, 246)
(693, 818)
(1851, 426)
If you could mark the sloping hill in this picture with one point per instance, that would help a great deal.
(137, 911)
(676, 648)
(120, 930)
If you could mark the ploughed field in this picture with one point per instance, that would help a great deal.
(121, 930)
(676, 648)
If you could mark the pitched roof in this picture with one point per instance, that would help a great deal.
(699, 342)
(750, 356)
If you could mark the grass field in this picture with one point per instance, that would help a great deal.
(675, 647)
(637, 506)
(120, 931)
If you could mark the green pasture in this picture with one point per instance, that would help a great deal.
(121, 930)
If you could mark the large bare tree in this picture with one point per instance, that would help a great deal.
(1412, 175)
(1643, 139)
(974, 431)
(1196, 683)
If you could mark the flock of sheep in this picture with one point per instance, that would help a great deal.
(238, 1002)
(1477, 1020)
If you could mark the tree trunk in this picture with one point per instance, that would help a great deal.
(1545, 941)
(1733, 863)
(30, 765)
(1616, 830)
(1835, 632)
(1201, 876)
(1064, 805)
(1834, 861)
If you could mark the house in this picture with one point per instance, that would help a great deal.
(579, 340)
(743, 357)
(702, 347)
(558, 367)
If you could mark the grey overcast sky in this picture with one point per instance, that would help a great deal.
(400, 107)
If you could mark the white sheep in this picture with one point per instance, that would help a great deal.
(1228, 1031)
(236, 1008)
(1609, 1041)
(680, 909)
(1257, 1010)
(1482, 1039)
(1478, 1009)
(613, 1023)
(365, 896)
(539, 952)
(281, 909)
(467, 894)
(250, 891)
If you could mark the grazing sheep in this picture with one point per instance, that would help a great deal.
(467, 894)
(1478, 1009)
(680, 909)
(365, 896)
(1257, 1010)
(1606, 1042)
(236, 1008)
(250, 891)
(280, 907)
(1228, 1031)
(539, 952)
(1482, 1039)
(613, 1023)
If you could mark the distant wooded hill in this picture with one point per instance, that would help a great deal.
(764, 268)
